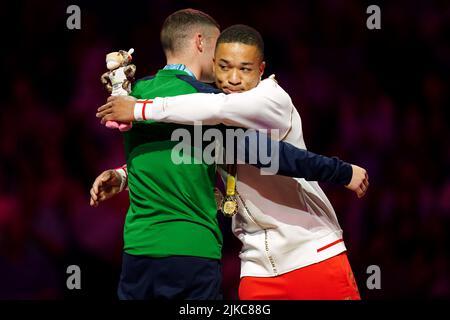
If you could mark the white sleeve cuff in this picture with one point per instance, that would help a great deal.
(146, 109)
(123, 174)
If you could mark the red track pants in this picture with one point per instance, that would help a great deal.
(331, 279)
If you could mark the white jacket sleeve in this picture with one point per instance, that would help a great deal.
(267, 106)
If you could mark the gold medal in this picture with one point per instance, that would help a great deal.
(229, 206)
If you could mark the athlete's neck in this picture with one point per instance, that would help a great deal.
(195, 69)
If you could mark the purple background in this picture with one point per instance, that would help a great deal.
(376, 98)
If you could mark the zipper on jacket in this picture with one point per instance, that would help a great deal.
(266, 237)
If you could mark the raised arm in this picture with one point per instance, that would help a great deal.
(266, 106)
(278, 157)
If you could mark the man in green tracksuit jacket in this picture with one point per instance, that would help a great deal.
(172, 239)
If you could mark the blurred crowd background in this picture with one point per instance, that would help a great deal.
(376, 98)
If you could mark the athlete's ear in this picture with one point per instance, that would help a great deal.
(262, 66)
(199, 42)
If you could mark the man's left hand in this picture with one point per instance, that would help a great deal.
(117, 108)
(360, 181)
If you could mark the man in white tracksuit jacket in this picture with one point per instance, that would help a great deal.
(293, 246)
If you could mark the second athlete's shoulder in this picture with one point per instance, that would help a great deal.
(198, 85)
(143, 80)
(139, 85)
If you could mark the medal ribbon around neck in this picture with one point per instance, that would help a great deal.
(229, 204)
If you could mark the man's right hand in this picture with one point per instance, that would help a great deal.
(105, 186)
(360, 181)
(117, 108)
